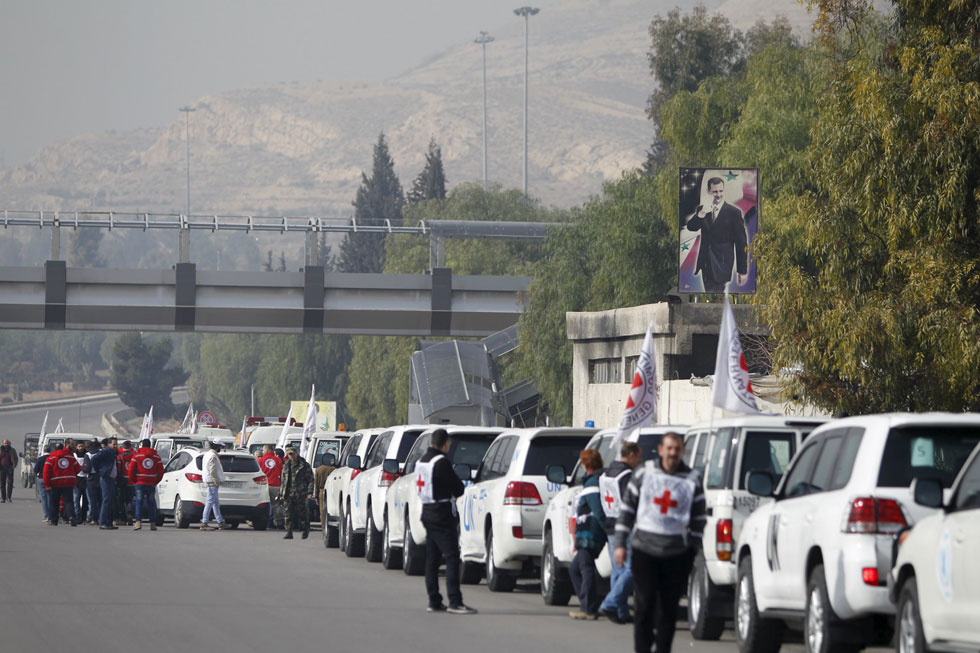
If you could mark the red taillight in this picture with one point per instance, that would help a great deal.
(261, 479)
(870, 515)
(521, 494)
(518, 532)
(194, 478)
(870, 575)
(387, 478)
(354, 473)
(723, 539)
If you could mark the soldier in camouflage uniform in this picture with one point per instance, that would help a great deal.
(296, 491)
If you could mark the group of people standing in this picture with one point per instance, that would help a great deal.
(99, 482)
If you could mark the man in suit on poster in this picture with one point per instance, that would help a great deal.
(723, 240)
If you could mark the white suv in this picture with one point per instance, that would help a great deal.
(559, 518)
(935, 579)
(730, 449)
(335, 490)
(503, 511)
(367, 490)
(822, 550)
(403, 536)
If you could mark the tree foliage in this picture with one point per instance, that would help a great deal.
(876, 300)
(141, 374)
(431, 182)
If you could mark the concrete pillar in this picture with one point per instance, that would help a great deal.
(312, 248)
(437, 252)
(184, 246)
(55, 242)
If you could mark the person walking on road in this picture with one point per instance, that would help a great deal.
(145, 473)
(104, 466)
(60, 474)
(271, 466)
(663, 514)
(612, 488)
(39, 474)
(297, 490)
(8, 463)
(80, 498)
(213, 477)
(438, 487)
(92, 489)
(590, 537)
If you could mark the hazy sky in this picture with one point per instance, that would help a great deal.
(70, 66)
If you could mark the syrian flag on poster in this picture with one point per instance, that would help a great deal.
(309, 425)
(284, 436)
(732, 389)
(641, 405)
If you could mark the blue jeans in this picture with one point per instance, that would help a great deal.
(212, 504)
(41, 492)
(149, 493)
(94, 498)
(620, 583)
(108, 487)
(77, 496)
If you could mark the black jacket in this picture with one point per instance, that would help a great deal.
(445, 485)
(723, 242)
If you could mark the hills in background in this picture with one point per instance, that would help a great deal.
(300, 148)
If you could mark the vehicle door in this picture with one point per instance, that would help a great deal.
(760, 450)
(168, 486)
(405, 496)
(336, 479)
(360, 484)
(963, 532)
(165, 449)
(476, 498)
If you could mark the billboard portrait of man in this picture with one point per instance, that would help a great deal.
(718, 218)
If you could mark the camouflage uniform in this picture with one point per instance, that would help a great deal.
(297, 485)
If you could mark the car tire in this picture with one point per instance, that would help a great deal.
(260, 519)
(391, 558)
(372, 540)
(470, 573)
(413, 555)
(181, 518)
(910, 637)
(556, 584)
(700, 593)
(160, 517)
(753, 634)
(821, 627)
(353, 545)
(498, 580)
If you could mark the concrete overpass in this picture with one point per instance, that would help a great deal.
(311, 301)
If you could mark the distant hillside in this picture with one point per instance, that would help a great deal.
(300, 148)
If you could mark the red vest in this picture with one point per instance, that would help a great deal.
(271, 465)
(122, 462)
(145, 468)
(60, 469)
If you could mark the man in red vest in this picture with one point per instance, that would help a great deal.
(271, 465)
(60, 474)
(124, 493)
(145, 473)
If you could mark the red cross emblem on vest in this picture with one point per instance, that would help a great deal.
(420, 483)
(609, 499)
(665, 502)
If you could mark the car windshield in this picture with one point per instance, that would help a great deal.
(554, 450)
(720, 451)
(926, 452)
(324, 448)
(468, 448)
(234, 463)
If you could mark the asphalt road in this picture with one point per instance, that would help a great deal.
(85, 589)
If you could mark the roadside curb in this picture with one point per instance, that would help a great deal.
(83, 399)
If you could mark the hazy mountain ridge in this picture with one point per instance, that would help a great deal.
(297, 148)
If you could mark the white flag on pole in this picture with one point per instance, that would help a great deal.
(731, 388)
(187, 424)
(147, 429)
(641, 404)
(194, 424)
(284, 436)
(44, 427)
(309, 425)
(61, 426)
(244, 439)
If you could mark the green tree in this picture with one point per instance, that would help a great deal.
(431, 182)
(141, 374)
(229, 367)
(876, 301)
(379, 198)
(291, 363)
(83, 249)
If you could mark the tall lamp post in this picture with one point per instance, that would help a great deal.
(483, 39)
(184, 245)
(526, 12)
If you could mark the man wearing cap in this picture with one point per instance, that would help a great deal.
(296, 491)
(271, 466)
(145, 472)
(213, 477)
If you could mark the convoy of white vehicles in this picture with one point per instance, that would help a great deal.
(336, 501)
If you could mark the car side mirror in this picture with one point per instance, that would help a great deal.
(556, 474)
(463, 471)
(927, 492)
(354, 462)
(330, 460)
(390, 466)
(760, 484)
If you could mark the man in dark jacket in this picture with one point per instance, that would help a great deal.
(663, 514)
(297, 490)
(104, 466)
(8, 462)
(438, 487)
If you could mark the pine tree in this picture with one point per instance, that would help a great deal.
(282, 262)
(379, 198)
(324, 257)
(83, 249)
(431, 182)
(267, 266)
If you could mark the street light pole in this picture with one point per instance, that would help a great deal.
(527, 12)
(184, 245)
(483, 39)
